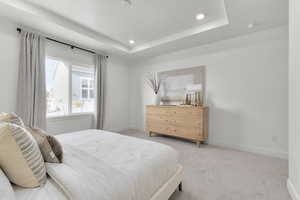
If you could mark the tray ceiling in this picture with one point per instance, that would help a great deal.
(109, 25)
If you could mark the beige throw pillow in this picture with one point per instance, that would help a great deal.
(49, 146)
(11, 118)
(20, 157)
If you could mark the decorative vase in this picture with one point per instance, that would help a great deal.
(157, 99)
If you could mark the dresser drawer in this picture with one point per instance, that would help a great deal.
(162, 117)
(182, 112)
(181, 115)
(167, 121)
(173, 110)
(190, 133)
(157, 111)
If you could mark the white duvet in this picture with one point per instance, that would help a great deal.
(109, 166)
(50, 191)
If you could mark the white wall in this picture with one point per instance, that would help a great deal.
(117, 96)
(117, 84)
(247, 86)
(9, 58)
(294, 101)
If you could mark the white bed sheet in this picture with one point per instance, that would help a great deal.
(82, 176)
(148, 165)
(50, 191)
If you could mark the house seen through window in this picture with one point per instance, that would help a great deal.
(87, 88)
(70, 88)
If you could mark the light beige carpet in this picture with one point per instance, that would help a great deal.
(215, 173)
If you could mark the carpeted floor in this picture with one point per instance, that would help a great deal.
(215, 173)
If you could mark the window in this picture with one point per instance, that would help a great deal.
(70, 88)
(82, 89)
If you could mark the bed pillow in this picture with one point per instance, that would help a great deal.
(11, 118)
(6, 190)
(20, 157)
(49, 146)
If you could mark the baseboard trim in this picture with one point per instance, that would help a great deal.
(292, 190)
(256, 150)
(251, 149)
(116, 129)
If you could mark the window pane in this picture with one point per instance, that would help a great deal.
(84, 83)
(57, 84)
(91, 94)
(82, 94)
(91, 84)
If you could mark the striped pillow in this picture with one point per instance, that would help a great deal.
(11, 118)
(20, 157)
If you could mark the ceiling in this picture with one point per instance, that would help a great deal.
(156, 26)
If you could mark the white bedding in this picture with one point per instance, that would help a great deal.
(83, 176)
(50, 191)
(110, 166)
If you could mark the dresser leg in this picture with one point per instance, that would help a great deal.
(198, 143)
(180, 186)
(150, 134)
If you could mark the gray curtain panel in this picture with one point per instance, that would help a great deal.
(31, 98)
(100, 74)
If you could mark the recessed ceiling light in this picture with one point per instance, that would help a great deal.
(128, 1)
(200, 16)
(131, 41)
(251, 25)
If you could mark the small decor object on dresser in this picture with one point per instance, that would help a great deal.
(189, 122)
(154, 82)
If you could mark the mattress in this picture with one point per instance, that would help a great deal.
(146, 165)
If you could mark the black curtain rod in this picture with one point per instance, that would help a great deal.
(64, 43)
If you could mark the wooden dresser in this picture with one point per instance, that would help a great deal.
(180, 121)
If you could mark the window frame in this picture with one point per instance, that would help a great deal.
(69, 65)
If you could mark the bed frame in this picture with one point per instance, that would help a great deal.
(170, 186)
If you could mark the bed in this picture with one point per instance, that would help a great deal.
(109, 166)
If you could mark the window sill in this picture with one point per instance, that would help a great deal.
(70, 116)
